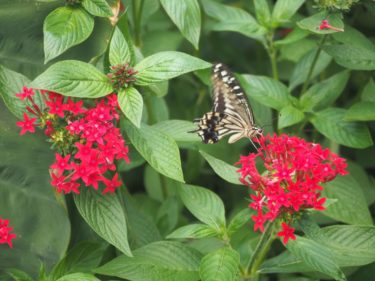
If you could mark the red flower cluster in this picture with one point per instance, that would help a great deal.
(294, 170)
(87, 140)
(5, 235)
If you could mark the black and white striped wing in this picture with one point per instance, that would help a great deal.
(229, 97)
(231, 112)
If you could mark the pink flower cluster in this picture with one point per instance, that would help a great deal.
(291, 183)
(87, 140)
(5, 235)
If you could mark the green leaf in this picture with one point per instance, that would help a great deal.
(330, 122)
(221, 265)
(98, 8)
(63, 28)
(166, 65)
(11, 83)
(262, 11)
(284, 10)
(119, 52)
(296, 35)
(193, 231)
(74, 78)
(361, 111)
(186, 15)
(159, 150)
(19, 275)
(83, 257)
(351, 245)
(131, 104)
(316, 256)
(324, 93)
(104, 214)
(368, 93)
(302, 68)
(79, 277)
(351, 56)
(239, 220)
(222, 169)
(352, 36)
(178, 130)
(313, 22)
(204, 204)
(164, 260)
(267, 91)
(233, 19)
(289, 116)
(351, 206)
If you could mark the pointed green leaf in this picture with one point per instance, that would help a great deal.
(83, 257)
(262, 11)
(164, 260)
(105, 216)
(313, 22)
(78, 277)
(289, 116)
(351, 56)
(131, 104)
(11, 83)
(361, 111)
(368, 93)
(98, 8)
(324, 93)
(296, 35)
(330, 122)
(193, 231)
(119, 52)
(186, 15)
(159, 150)
(285, 9)
(239, 220)
(221, 265)
(351, 205)
(302, 68)
(74, 78)
(316, 256)
(166, 65)
(267, 91)
(233, 19)
(19, 275)
(63, 28)
(204, 204)
(178, 130)
(352, 36)
(222, 169)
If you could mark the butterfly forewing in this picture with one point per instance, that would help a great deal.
(231, 112)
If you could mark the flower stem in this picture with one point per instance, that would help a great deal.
(270, 47)
(312, 66)
(260, 252)
(137, 14)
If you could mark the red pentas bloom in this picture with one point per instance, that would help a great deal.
(325, 25)
(86, 139)
(291, 183)
(5, 235)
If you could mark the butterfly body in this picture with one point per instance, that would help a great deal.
(231, 113)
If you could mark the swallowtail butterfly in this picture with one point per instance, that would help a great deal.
(231, 113)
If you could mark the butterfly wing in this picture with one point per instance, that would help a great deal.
(231, 112)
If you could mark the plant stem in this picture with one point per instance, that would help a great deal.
(137, 14)
(312, 66)
(260, 252)
(270, 47)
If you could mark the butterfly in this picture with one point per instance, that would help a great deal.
(231, 113)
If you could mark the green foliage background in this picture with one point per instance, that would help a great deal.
(183, 214)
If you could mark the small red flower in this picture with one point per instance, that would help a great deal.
(325, 25)
(112, 184)
(26, 93)
(287, 233)
(27, 125)
(5, 235)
